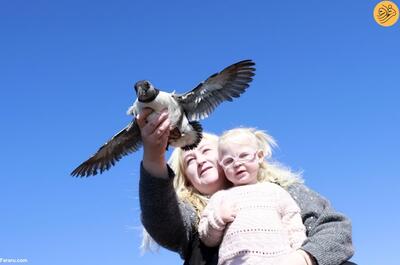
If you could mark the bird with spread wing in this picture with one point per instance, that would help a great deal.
(185, 110)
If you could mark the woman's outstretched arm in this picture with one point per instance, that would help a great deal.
(167, 219)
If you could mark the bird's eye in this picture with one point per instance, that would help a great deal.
(146, 85)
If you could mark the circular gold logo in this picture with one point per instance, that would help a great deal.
(386, 13)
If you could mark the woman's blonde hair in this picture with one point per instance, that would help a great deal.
(271, 171)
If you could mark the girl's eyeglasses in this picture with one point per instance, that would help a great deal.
(242, 158)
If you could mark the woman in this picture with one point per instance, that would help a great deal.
(170, 213)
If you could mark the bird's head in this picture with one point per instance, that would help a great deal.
(145, 91)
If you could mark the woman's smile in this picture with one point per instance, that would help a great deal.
(203, 170)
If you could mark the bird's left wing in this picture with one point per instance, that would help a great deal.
(228, 84)
(128, 140)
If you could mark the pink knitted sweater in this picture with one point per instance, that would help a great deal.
(267, 226)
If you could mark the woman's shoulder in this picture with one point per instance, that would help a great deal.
(301, 188)
(306, 197)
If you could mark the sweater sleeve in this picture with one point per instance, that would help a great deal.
(169, 221)
(211, 226)
(291, 218)
(329, 236)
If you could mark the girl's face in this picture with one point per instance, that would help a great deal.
(202, 169)
(240, 159)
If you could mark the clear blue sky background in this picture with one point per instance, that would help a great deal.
(327, 88)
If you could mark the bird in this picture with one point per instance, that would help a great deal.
(184, 111)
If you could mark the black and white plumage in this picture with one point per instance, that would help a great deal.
(185, 110)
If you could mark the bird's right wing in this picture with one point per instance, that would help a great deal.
(128, 140)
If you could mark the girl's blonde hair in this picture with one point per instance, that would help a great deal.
(271, 171)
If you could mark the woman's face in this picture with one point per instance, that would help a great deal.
(202, 168)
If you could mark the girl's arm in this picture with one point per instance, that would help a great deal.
(291, 218)
(214, 218)
(329, 238)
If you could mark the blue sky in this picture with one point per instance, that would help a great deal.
(327, 88)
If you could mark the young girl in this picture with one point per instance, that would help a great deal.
(256, 221)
